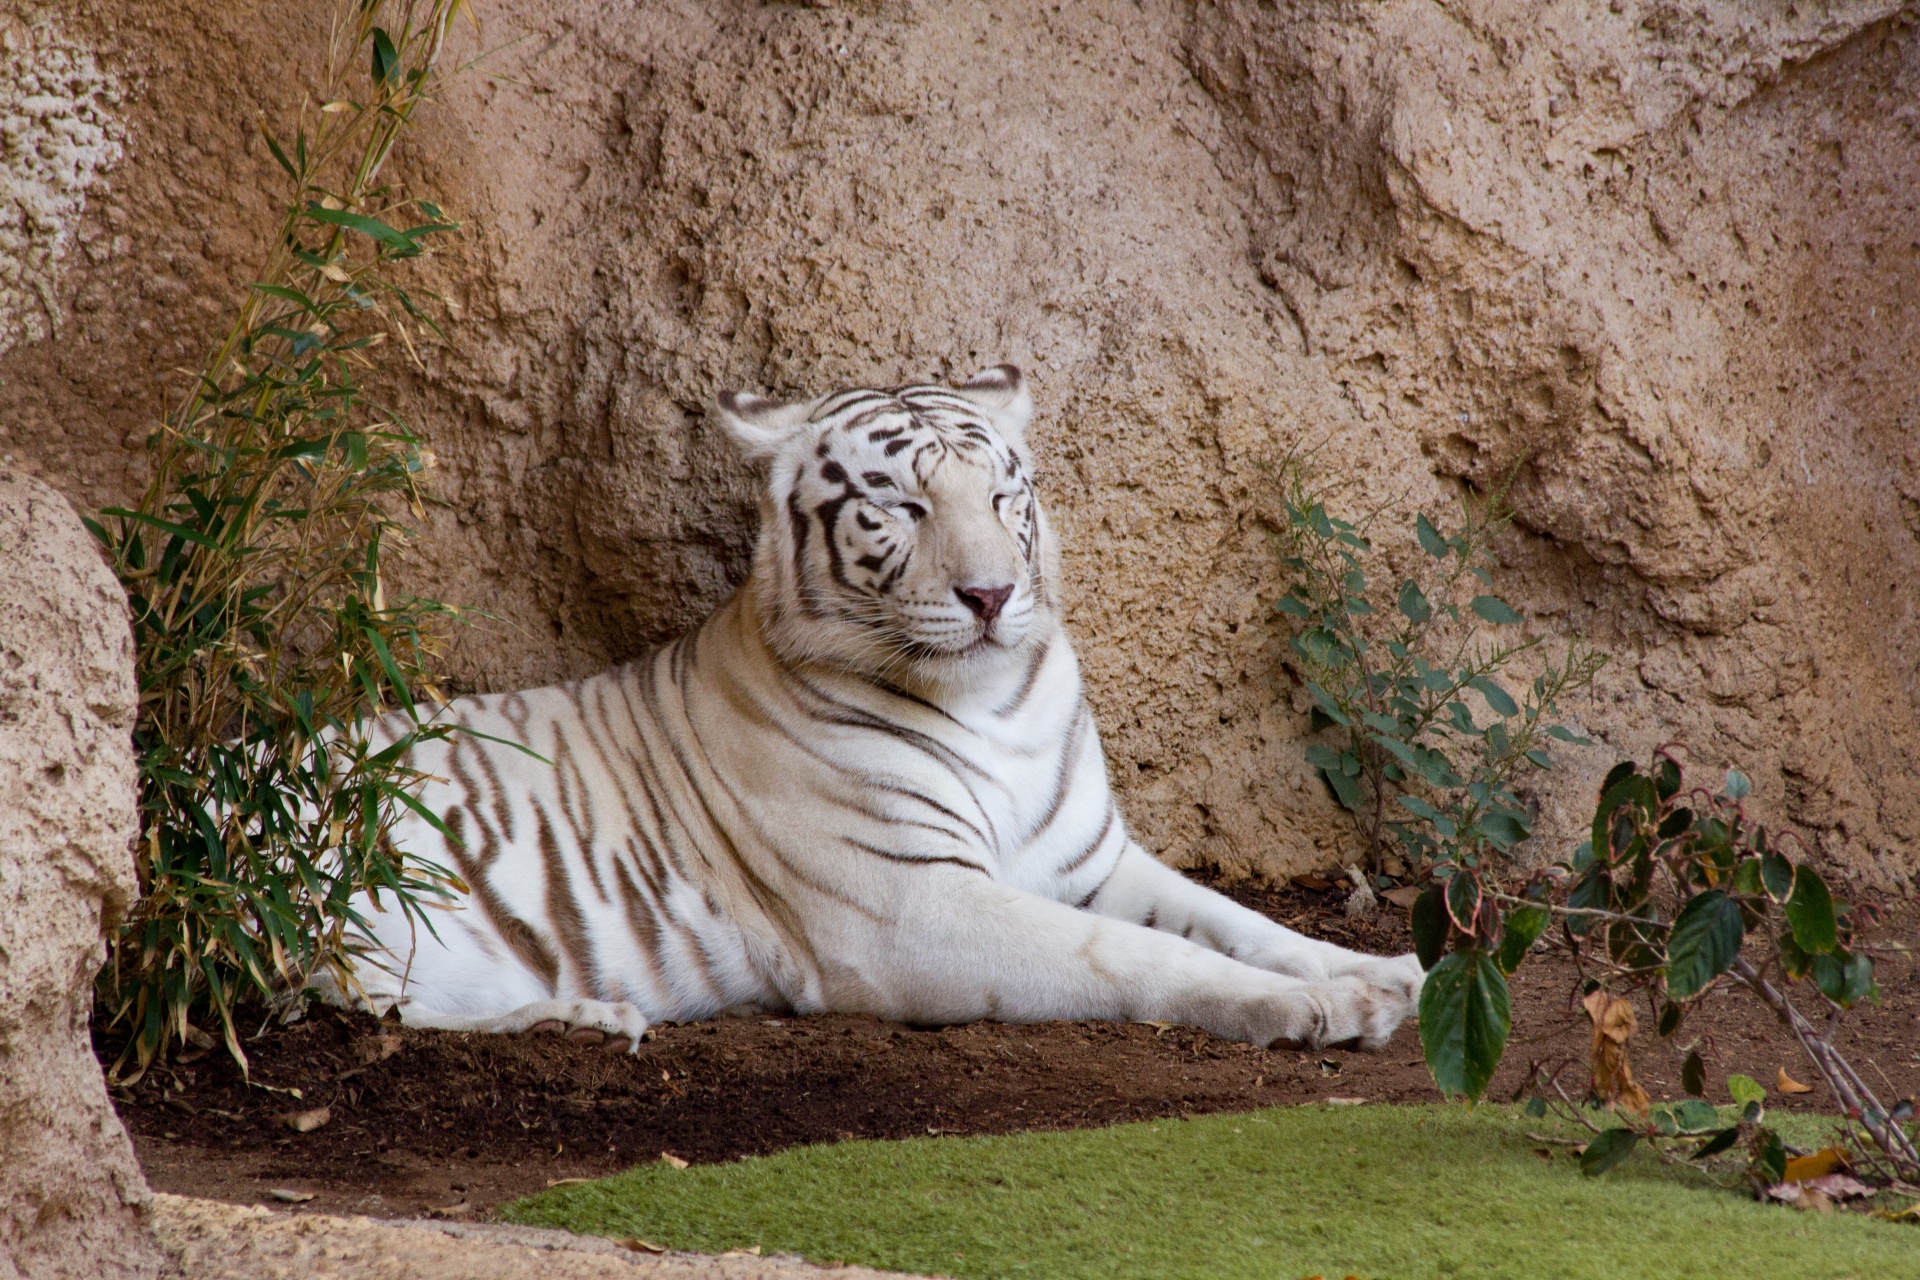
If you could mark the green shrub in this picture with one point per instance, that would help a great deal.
(267, 645)
(1426, 739)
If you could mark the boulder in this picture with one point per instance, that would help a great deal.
(73, 1202)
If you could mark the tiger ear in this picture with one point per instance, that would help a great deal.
(759, 426)
(1002, 392)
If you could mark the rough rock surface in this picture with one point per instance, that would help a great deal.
(208, 1240)
(72, 1200)
(1659, 258)
(60, 134)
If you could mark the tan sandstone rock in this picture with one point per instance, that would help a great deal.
(1658, 257)
(72, 1201)
(209, 1240)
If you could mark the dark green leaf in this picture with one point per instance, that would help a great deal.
(1413, 602)
(1617, 775)
(1717, 1143)
(177, 530)
(1844, 978)
(1293, 605)
(1536, 1106)
(278, 154)
(1428, 920)
(286, 294)
(1497, 698)
(1345, 789)
(1810, 912)
(1590, 893)
(1463, 900)
(1630, 800)
(1524, 927)
(1540, 759)
(1606, 1150)
(366, 226)
(1323, 757)
(1465, 1015)
(1746, 878)
(1666, 777)
(1495, 610)
(1419, 807)
(1430, 540)
(1693, 1075)
(1793, 961)
(1504, 829)
(1670, 1015)
(385, 57)
(1704, 942)
(1329, 707)
(1770, 1160)
(1776, 873)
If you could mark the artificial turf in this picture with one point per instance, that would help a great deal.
(1369, 1191)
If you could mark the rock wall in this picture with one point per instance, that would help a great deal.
(1659, 259)
(72, 1201)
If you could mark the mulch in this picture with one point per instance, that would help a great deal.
(451, 1125)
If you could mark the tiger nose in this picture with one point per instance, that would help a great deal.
(985, 601)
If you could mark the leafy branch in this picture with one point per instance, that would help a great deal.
(1676, 891)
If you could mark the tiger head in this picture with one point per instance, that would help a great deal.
(900, 533)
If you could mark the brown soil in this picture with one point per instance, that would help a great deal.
(456, 1124)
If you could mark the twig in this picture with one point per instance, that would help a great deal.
(1856, 1100)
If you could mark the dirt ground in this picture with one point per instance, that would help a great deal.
(448, 1125)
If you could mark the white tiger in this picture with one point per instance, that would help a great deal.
(869, 783)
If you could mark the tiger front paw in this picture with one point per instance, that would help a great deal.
(618, 1026)
(1344, 1012)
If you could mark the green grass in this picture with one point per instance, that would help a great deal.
(1368, 1191)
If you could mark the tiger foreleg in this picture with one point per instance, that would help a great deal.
(1147, 891)
(582, 1021)
(963, 948)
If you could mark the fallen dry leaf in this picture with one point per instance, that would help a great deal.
(285, 1196)
(566, 1182)
(753, 1252)
(1314, 882)
(1839, 1186)
(667, 1157)
(1613, 1026)
(1785, 1083)
(1346, 1102)
(374, 1049)
(1405, 896)
(307, 1121)
(1818, 1165)
(638, 1245)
